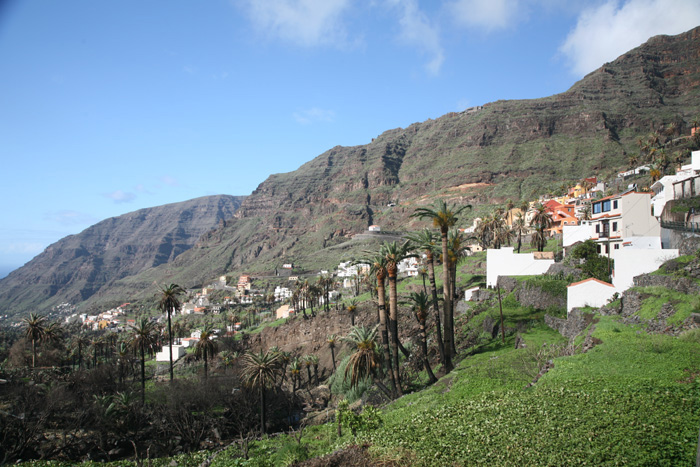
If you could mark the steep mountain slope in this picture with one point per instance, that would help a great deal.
(79, 266)
(482, 156)
(507, 149)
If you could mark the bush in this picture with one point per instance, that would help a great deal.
(341, 386)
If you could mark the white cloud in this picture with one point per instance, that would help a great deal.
(120, 196)
(605, 32)
(485, 14)
(417, 30)
(302, 22)
(312, 115)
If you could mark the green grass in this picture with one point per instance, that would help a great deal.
(656, 297)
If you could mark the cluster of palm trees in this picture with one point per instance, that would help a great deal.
(655, 149)
(308, 294)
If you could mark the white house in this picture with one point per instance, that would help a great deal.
(588, 292)
(617, 218)
(504, 262)
(164, 354)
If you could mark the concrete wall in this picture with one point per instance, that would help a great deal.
(164, 354)
(505, 262)
(632, 262)
(578, 233)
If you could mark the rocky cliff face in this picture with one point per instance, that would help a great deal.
(506, 149)
(483, 156)
(79, 266)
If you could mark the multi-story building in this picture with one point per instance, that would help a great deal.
(625, 220)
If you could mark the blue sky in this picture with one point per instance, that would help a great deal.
(111, 106)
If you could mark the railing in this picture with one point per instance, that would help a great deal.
(693, 227)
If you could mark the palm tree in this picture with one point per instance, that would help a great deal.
(332, 340)
(260, 370)
(520, 228)
(79, 342)
(541, 221)
(144, 338)
(170, 303)
(365, 362)
(420, 304)
(295, 371)
(206, 346)
(394, 254)
(426, 240)
(34, 331)
(351, 307)
(307, 360)
(377, 263)
(444, 217)
(586, 213)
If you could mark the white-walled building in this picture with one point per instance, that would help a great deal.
(588, 292)
(504, 262)
(617, 218)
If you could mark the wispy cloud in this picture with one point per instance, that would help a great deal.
(417, 30)
(120, 196)
(312, 115)
(69, 217)
(605, 32)
(306, 23)
(488, 15)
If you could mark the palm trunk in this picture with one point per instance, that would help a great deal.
(262, 409)
(424, 347)
(205, 364)
(170, 341)
(333, 358)
(447, 298)
(33, 353)
(453, 291)
(143, 377)
(436, 308)
(381, 295)
(394, 329)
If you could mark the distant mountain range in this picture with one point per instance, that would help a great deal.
(513, 149)
(77, 267)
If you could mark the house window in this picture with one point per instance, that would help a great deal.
(606, 206)
(615, 204)
(614, 229)
(597, 230)
(597, 208)
(617, 246)
(598, 248)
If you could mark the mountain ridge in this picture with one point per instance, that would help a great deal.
(76, 267)
(504, 149)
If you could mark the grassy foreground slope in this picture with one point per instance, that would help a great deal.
(633, 399)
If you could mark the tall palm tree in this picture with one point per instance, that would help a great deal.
(420, 302)
(308, 361)
(170, 303)
(444, 217)
(394, 254)
(332, 341)
(541, 221)
(260, 370)
(295, 372)
(351, 308)
(520, 228)
(426, 241)
(35, 329)
(206, 346)
(377, 266)
(365, 361)
(144, 337)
